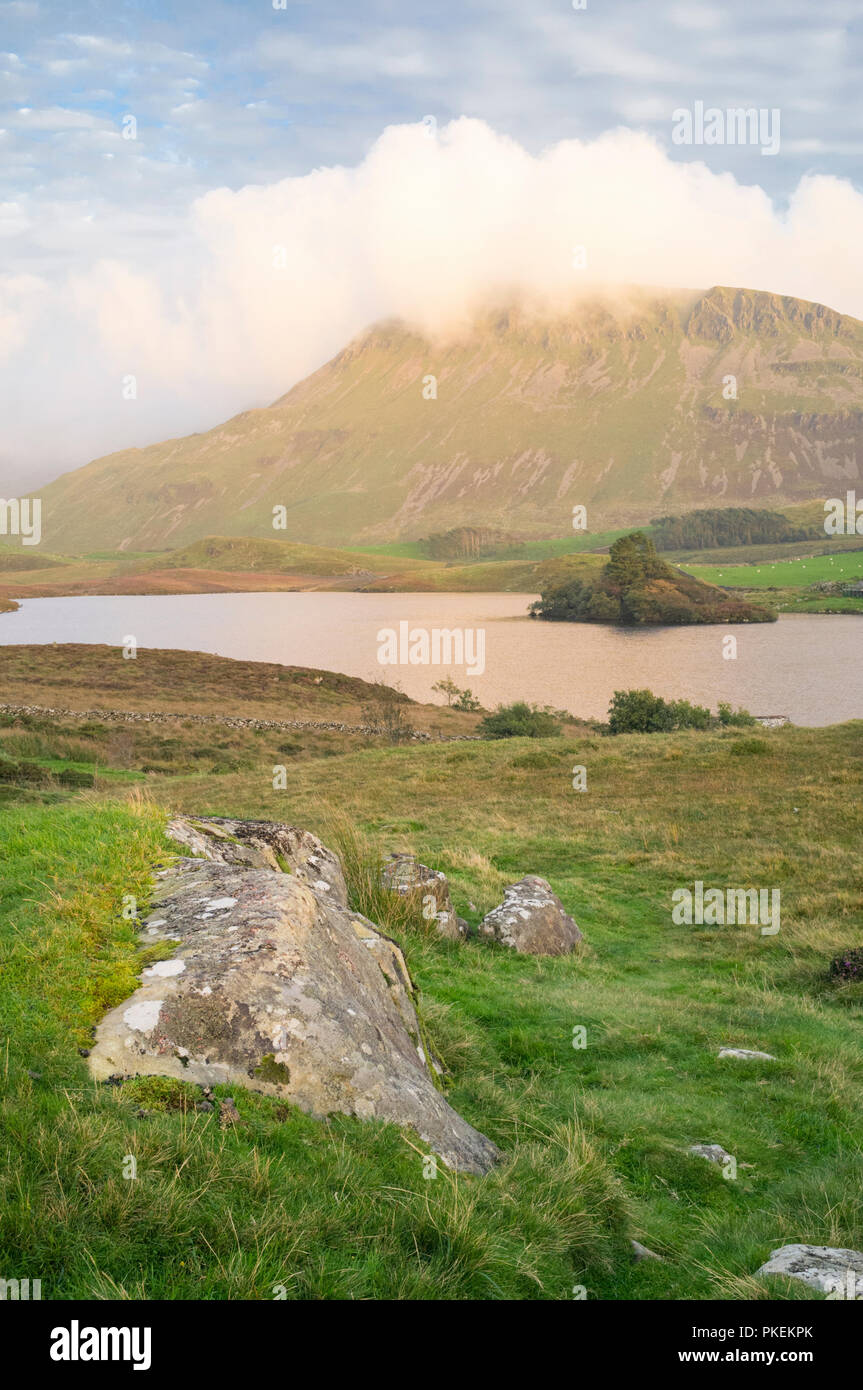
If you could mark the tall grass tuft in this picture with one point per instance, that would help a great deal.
(397, 914)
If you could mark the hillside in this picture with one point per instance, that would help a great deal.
(617, 409)
(83, 677)
(219, 564)
(595, 1140)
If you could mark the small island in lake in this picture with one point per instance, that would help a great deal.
(636, 588)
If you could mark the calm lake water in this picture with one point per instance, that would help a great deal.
(807, 667)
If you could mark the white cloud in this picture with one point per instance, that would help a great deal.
(424, 228)
(56, 118)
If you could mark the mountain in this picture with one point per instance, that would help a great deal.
(618, 407)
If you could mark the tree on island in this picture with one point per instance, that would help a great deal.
(636, 587)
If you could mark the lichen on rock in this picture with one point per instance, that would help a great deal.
(532, 919)
(283, 989)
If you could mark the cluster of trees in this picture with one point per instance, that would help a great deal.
(636, 587)
(466, 543)
(642, 712)
(715, 527)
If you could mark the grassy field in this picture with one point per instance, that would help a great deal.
(594, 1140)
(785, 585)
(792, 573)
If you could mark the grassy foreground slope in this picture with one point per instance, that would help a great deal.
(595, 1139)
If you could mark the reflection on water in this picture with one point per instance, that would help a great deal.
(807, 667)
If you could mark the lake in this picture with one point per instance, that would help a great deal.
(805, 666)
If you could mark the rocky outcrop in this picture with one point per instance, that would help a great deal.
(403, 874)
(263, 844)
(277, 986)
(823, 1267)
(532, 919)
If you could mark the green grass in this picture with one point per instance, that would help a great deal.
(335, 1209)
(841, 567)
(595, 1140)
(520, 550)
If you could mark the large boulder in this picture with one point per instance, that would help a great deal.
(263, 844)
(531, 919)
(276, 986)
(403, 873)
(822, 1267)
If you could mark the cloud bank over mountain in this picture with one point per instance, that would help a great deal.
(265, 283)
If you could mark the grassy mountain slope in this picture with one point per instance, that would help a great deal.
(619, 409)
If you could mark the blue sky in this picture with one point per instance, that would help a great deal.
(238, 93)
(230, 95)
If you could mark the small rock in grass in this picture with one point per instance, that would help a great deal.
(744, 1054)
(532, 920)
(228, 1113)
(403, 874)
(641, 1252)
(824, 1267)
(714, 1153)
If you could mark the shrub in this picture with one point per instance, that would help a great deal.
(642, 712)
(384, 713)
(519, 720)
(24, 771)
(738, 717)
(466, 701)
(747, 747)
(688, 716)
(539, 759)
(639, 712)
(848, 965)
(71, 777)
